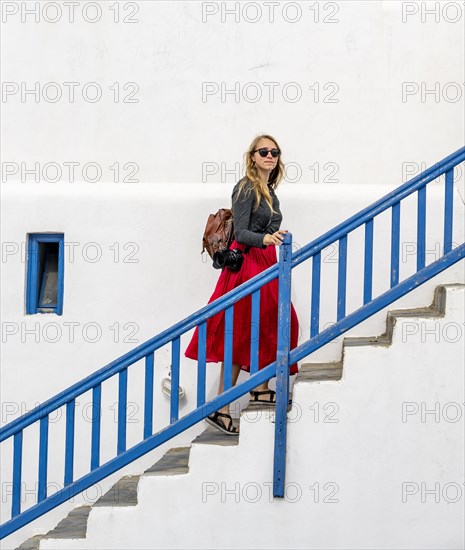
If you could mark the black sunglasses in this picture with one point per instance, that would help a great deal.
(263, 152)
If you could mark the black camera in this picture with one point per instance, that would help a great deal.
(232, 259)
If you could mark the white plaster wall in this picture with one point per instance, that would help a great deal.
(358, 55)
(375, 460)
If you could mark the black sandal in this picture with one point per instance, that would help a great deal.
(256, 394)
(271, 400)
(215, 421)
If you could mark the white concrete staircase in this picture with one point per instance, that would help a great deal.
(375, 458)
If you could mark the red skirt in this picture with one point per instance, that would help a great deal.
(255, 261)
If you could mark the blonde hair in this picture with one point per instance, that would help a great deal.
(252, 174)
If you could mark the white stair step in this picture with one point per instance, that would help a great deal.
(73, 526)
(318, 372)
(436, 309)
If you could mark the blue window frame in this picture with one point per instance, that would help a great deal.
(45, 271)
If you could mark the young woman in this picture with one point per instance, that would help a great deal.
(257, 219)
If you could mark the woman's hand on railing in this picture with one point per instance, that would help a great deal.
(275, 238)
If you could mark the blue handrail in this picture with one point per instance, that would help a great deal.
(279, 368)
(368, 213)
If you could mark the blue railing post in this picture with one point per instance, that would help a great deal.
(282, 364)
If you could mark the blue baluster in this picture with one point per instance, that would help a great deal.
(448, 210)
(175, 358)
(17, 467)
(148, 395)
(201, 363)
(96, 414)
(122, 409)
(255, 332)
(395, 243)
(43, 458)
(228, 345)
(368, 263)
(341, 278)
(69, 446)
(315, 311)
(421, 227)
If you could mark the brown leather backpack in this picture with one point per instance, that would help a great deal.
(219, 231)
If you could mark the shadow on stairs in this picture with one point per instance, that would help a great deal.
(124, 492)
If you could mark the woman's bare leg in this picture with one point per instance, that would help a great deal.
(236, 369)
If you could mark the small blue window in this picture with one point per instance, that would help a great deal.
(45, 270)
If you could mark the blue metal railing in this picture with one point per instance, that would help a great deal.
(279, 368)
